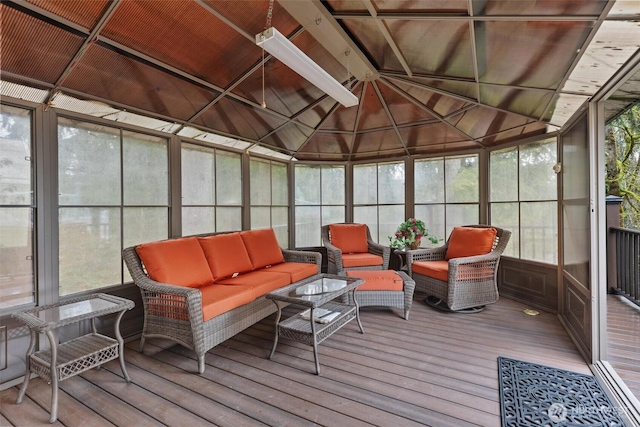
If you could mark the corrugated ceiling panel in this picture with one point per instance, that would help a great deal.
(402, 111)
(343, 119)
(448, 41)
(290, 137)
(515, 134)
(372, 115)
(236, 118)
(84, 13)
(450, 147)
(316, 115)
(532, 54)
(109, 75)
(185, 35)
(251, 16)
(449, 6)
(22, 91)
(531, 103)
(334, 144)
(480, 121)
(34, 48)
(416, 136)
(378, 142)
(374, 43)
(537, 7)
(441, 104)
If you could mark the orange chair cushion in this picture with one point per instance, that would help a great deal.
(436, 269)
(262, 247)
(218, 299)
(361, 260)
(261, 281)
(469, 241)
(349, 238)
(378, 280)
(226, 255)
(177, 262)
(296, 270)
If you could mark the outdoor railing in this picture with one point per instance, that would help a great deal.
(627, 262)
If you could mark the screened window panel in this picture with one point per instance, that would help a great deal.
(536, 172)
(228, 179)
(90, 248)
(198, 175)
(260, 181)
(333, 185)
(503, 175)
(145, 170)
(505, 215)
(390, 218)
(228, 219)
(280, 225)
(307, 226)
(260, 217)
(433, 217)
(462, 179)
(198, 220)
(429, 181)
(15, 156)
(140, 225)
(365, 185)
(368, 215)
(307, 185)
(279, 185)
(332, 214)
(461, 215)
(88, 164)
(391, 184)
(539, 231)
(16, 262)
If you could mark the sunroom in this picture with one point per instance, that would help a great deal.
(131, 121)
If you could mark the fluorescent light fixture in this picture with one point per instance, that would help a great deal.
(281, 48)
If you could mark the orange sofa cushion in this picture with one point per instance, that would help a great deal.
(349, 238)
(226, 255)
(436, 269)
(361, 260)
(296, 270)
(261, 281)
(262, 247)
(378, 280)
(218, 299)
(469, 241)
(177, 262)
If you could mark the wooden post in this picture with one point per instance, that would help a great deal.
(613, 220)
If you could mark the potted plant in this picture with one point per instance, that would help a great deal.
(409, 234)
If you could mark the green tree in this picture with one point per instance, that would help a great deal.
(622, 152)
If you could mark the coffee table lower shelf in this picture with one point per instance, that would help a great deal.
(299, 329)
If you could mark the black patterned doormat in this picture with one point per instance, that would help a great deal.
(538, 395)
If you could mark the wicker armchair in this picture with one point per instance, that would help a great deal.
(336, 259)
(471, 281)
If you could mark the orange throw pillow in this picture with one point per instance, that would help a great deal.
(226, 255)
(262, 247)
(177, 262)
(349, 238)
(470, 241)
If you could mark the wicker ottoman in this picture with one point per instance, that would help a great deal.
(384, 288)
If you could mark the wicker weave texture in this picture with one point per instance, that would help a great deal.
(334, 254)
(299, 329)
(393, 299)
(175, 312)
(471, 280)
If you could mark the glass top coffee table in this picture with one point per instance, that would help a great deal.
(323, 314)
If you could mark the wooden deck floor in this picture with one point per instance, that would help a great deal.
(623, 343)
(436, 369)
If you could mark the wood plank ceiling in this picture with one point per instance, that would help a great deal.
(451, 75)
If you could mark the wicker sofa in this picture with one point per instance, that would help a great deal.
(200, 291)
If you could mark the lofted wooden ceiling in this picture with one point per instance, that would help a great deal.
(448, 75)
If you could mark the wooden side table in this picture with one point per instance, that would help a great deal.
(70, 358)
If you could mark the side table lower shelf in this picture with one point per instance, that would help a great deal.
(76, 356)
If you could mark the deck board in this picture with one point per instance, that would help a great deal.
(623, 340)
(436, 369)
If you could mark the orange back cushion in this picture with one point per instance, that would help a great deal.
(262, 247)
(178, 262)
(349, 238)
(226, 255)
(470, 241)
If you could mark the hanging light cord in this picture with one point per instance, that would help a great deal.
(267, 25)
